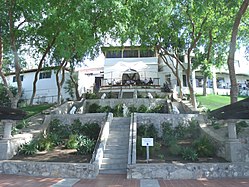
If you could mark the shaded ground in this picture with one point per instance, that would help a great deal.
(57, 155)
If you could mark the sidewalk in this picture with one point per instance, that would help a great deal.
(115, 181)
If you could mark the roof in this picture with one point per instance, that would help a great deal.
(34, 70)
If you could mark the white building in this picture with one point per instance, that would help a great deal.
(46, 91)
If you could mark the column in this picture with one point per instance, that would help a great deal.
(7, 128)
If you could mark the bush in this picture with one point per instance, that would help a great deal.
(167, 133)
(94, 108)
(45, 144)
(142, 109)
(118, 110)
(72, 142)
(76, 127)
(189, 153)
(56, 127)
(91, 130)
(132, 109)
(240, 125)
(147, 131)
(28, 148)
(204, 147)
(174, 148)
(85, 145)
(157, 109)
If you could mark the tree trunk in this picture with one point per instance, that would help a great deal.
(76, 87)
(179, 80)
(204, 85)
(39, 69)
(230, 60)
(190, 86)
(58, 82)
(16, 58)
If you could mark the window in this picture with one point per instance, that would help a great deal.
(45, 75)
(14, 78)
(130, 54)
(184, 80)
(147, 53)
(114, 54)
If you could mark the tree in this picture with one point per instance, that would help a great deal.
(230, 60)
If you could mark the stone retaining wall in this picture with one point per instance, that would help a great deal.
(188, 171)
(128, 102)
(158, 119)
(49, 169)
(84, 118)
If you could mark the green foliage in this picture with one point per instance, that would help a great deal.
(72, 142)
(45, 144)
(91, 96)
(85, 145)
(168, 133)
(189, 153)
(157, 109)
(111, 95)
(240, 126)
(173, 148)
(142, 109)
(94, 108)
(147, 131)
(91, 130)
(22, 124)
(132, 109)
(204, 147)
(192, 130)
(118, 110)
(56, 127)
(28, 148)
(76, 127)
(106, 109)
(4, 98)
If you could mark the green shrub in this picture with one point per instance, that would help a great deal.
(56, 139)
(118, 110)
(141, 150)
(189, 153)
(147, 131)
(91, 96)
(174, 148)
(76, 127)
(85, 145)
(240, 125)
(132, 109)
(56, 127)
(22, 124)
(94, 108)
(167, 133)
(142, 109)
(45, 144)
(72, 142)
(192, 130)
(157, 109)
(91, 130)
(105, 109)
(204, 147)
(28, 148)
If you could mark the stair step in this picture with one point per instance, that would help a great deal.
(112, 171)
(113, 166)
(117, 151)
(115, 155)
(113, 161)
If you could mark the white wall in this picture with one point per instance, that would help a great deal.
(44, 87)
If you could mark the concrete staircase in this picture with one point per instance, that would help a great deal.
(116, 150)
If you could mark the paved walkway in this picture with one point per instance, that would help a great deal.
(115, 181)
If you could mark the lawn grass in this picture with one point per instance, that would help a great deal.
(35, 109)
(213, 102)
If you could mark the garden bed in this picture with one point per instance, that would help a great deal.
(58, 154)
